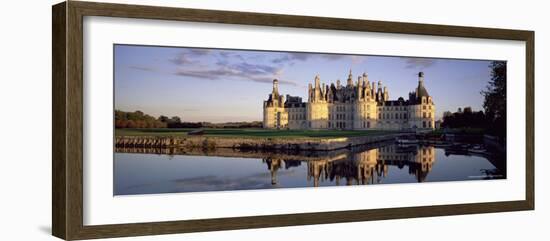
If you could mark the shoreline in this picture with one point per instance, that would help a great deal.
(259, 143)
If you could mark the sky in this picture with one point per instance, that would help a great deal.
(224, 85)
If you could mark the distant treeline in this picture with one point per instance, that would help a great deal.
(138, 119)
(465, 119)
(493, 118)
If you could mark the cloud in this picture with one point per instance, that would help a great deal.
(333, 56)
(143, 68)
(182, 59)
(226, 64)
(198, 52)
(413, 63)
(230, 54)
(291, 57)
(242, 70)
(187, 56)
(252, 74)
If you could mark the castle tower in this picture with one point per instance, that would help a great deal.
(317, 94)
(275, 87)
(359, 88)
(310, 92)
(425, 105)
(379, 93)
(350, 79)
(421, 90)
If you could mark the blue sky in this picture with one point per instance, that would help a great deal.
(221, 85)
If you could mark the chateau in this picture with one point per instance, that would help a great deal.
(356, 106)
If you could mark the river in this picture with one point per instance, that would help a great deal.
(151, 171)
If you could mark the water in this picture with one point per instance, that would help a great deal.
(140, 171)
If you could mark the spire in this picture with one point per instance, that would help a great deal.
(365, 78)
(317, 81)
(350, 78)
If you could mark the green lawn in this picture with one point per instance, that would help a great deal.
(251, 133)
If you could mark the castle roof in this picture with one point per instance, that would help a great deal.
(422, 92)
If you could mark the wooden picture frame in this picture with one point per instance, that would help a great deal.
(67, 152)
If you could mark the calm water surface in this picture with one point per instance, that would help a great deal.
(222, 170)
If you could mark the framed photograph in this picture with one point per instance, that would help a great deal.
(171, 120)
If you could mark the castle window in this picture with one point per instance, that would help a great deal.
(396, 116)
(423, 107)
(423, 124)
(423, 114)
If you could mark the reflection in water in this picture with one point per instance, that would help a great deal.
(142, 171)
(365, 167)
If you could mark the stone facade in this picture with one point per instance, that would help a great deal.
(356, 106)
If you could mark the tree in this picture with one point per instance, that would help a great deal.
(163, 118)
(466, 118)
(494, 101)
(175, 120)
(137, 119)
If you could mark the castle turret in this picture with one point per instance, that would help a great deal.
(350, 79)
(359, 88)
(323, 92)
(317, 90)
(275, 87)
(310, 92)
(421, 90)
(317, 81)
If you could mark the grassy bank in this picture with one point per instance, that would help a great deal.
(260, 133)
